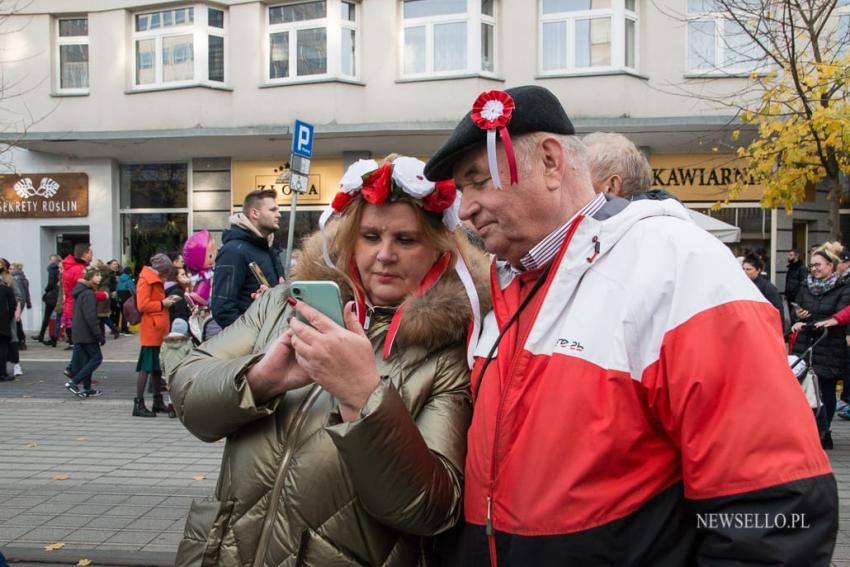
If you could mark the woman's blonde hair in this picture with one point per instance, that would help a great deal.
(344, 238)
(830, 251)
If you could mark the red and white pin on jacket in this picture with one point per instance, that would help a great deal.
(385, 184)
(492, 112)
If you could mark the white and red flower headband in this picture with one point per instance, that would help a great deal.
(378, 185)
(492, 112)
(387, 183)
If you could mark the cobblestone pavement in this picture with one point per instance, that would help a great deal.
(130, 480)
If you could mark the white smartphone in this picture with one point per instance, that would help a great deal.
(322, 295)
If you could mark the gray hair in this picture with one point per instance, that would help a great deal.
(614, 154)
(574, 150)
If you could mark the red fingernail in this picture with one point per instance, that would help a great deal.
(291, 301)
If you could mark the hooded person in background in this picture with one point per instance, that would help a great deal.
(88, 333)
(10, 311)
(23, 284)
(49, 297)
(72, 271)
(250, 238)
(153, 306)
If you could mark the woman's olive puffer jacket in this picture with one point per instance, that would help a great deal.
(300, 487)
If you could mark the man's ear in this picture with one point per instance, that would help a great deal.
(554, 165)
(615, 185)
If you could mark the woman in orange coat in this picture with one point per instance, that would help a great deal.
(153, 306)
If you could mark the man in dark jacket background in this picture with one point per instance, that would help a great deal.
(249, 239)
(50, 295)
(794, 276)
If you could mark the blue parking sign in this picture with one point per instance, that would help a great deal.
(302, 139)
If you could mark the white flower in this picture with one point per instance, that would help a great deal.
(493, 109)
(409, 173)
(451, 216)
(352, 181)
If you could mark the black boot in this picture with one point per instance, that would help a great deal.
(159, 406)
(139, 409)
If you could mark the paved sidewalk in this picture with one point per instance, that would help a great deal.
(128, 481)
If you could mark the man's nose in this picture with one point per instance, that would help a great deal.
(468, 207)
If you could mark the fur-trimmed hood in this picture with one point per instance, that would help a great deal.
(439, 317)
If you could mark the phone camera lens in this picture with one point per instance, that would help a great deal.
(296, 291)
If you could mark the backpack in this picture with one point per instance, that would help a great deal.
(131, 311)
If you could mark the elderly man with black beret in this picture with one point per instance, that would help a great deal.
(618, 419)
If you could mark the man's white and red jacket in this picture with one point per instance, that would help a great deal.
(642, 412)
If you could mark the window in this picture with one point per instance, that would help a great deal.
(315, 39)
(179, 46)
(717, 44)
(578, 36)
(448, 37)
(842, 28)
(72, 55)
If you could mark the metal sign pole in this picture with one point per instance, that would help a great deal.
(302, 152)
(291, 235)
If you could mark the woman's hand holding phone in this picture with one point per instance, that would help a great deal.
(341, 360)
(277, 372)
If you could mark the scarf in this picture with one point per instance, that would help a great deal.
(820, 287)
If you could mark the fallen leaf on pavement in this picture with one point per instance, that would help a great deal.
(26, 396)
(84, 562)
(31, 445)
(81, 439)
(199, 477)
(54, 546)
(61, 476)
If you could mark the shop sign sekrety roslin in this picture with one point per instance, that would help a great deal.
(47, 195)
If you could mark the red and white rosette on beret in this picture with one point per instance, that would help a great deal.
(492, 112)
(380, 184)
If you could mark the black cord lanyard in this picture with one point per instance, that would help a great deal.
(514, 318)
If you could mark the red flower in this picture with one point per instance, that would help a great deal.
(441, 198)
(341, 201)
(492, 109)
(376, 187)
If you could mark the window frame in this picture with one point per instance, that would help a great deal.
(332, 23)
(617, 15)
(474, 19)
(720, 48)
(199, 29)
(70, 40)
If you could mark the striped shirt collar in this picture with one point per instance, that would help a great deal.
(545, 250)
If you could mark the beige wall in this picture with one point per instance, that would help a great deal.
(380, 100)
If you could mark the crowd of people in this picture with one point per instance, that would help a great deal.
(578, 384)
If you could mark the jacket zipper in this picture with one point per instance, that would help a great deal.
(491, 536)
(294, 429)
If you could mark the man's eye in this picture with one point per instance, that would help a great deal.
(370, 236)
(406, 240)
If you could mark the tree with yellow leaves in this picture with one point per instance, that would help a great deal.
(801, 112)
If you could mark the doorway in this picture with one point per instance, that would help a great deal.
(800, 239)
(65, 242)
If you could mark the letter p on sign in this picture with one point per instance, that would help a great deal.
(302, 139)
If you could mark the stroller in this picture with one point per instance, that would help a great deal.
(801, 366)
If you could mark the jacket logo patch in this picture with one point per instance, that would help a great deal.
(568, 344)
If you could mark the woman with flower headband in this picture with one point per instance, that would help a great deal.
(345, 445)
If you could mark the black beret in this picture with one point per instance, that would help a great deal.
(536, 110)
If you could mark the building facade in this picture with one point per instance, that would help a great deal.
(165, 114)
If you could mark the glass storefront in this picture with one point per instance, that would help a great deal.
(154, 210)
